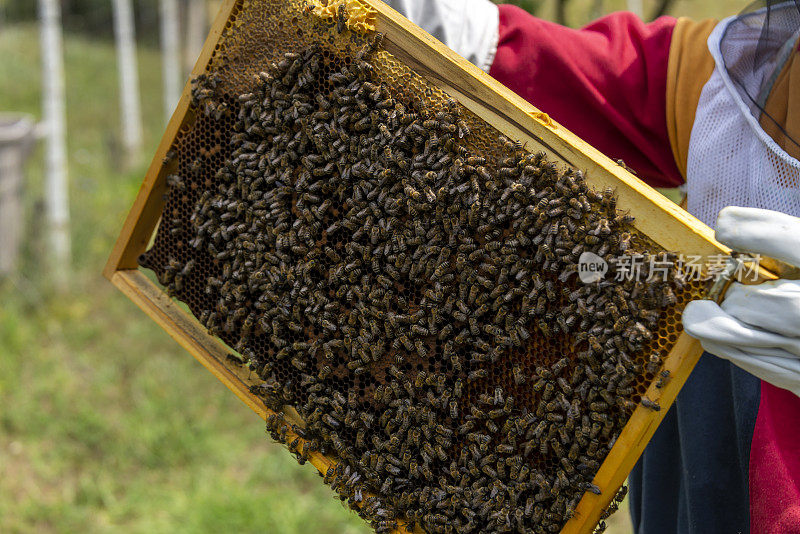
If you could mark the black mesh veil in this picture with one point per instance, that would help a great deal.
(755, 48)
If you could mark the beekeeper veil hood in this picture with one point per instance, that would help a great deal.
(745, 144)
(754, 70)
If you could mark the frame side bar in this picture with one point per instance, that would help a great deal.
(146, 210)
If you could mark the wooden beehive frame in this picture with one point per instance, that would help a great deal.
(658, 218)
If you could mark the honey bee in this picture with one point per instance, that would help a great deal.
(647, 403)
(669, 298)
(477, 374)
(663, 378)
(341, 18)
(587, 486)
(653, 363)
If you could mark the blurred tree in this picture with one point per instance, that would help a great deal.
(91, 17)
(19, 10)
(531, 6)
(588, 11)
(662, 8)
(561, 12)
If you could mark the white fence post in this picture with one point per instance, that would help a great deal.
(130, 107)
(170, 55)
(196, 30)
(54, 112)
(636, 7)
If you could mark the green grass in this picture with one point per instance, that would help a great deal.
(106, 424)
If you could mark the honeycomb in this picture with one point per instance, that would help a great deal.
(404, 277)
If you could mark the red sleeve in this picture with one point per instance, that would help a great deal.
(607, 82)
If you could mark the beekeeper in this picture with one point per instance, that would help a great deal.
(713, 106)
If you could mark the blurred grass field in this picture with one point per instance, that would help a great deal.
(106, 424)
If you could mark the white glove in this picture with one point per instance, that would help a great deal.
(469, 27)
(757, 327)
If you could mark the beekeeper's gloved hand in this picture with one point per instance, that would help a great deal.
(757, 327)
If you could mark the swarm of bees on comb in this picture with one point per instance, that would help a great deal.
(391, 285)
